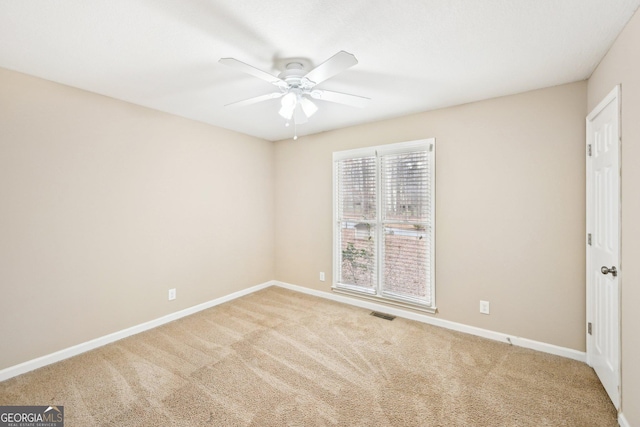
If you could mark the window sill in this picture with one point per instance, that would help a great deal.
(384, 300)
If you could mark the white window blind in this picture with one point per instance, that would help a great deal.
(384, 205)
(357, 213)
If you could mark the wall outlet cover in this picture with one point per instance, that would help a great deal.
(484, 307)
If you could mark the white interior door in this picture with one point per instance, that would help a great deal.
(603, 245)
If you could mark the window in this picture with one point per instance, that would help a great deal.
(384, 222)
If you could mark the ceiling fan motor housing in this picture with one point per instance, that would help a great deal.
(294, 76)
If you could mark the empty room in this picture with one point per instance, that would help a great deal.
(418, 213)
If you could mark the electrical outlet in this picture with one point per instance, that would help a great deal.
(172, 294)
(322, 276)
(484, 307)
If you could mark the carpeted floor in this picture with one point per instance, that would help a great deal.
(278, 358)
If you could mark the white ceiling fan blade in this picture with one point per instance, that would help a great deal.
(255, 99)
(299, 117)
(341, 98)
(249, 69)
(332, 66)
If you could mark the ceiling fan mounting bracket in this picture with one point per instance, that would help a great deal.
(294, 76)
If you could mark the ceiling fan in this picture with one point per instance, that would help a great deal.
(296, 86)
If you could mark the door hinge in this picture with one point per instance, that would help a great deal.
(589, 330)
(589, 239)
(589, 150)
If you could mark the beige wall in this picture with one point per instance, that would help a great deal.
(510, 212)
(106, 205)
(622, 66)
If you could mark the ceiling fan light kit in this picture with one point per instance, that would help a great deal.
(308, 107)
(288, 105)
(296, 87)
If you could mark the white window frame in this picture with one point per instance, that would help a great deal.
(378, 294)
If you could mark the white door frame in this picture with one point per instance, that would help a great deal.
(613, 96)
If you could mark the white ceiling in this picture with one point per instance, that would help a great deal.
(414, 55)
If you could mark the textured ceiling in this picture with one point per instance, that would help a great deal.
(414, 55)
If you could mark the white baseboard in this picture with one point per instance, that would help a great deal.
(39, 362)
(424, 318)
(622, 421)
(30, 365)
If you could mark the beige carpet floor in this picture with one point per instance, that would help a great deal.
(277, 358)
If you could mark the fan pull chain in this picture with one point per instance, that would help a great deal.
(295, 129)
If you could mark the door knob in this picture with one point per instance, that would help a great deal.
(611, 270)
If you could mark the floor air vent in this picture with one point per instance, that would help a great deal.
(383, 315)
